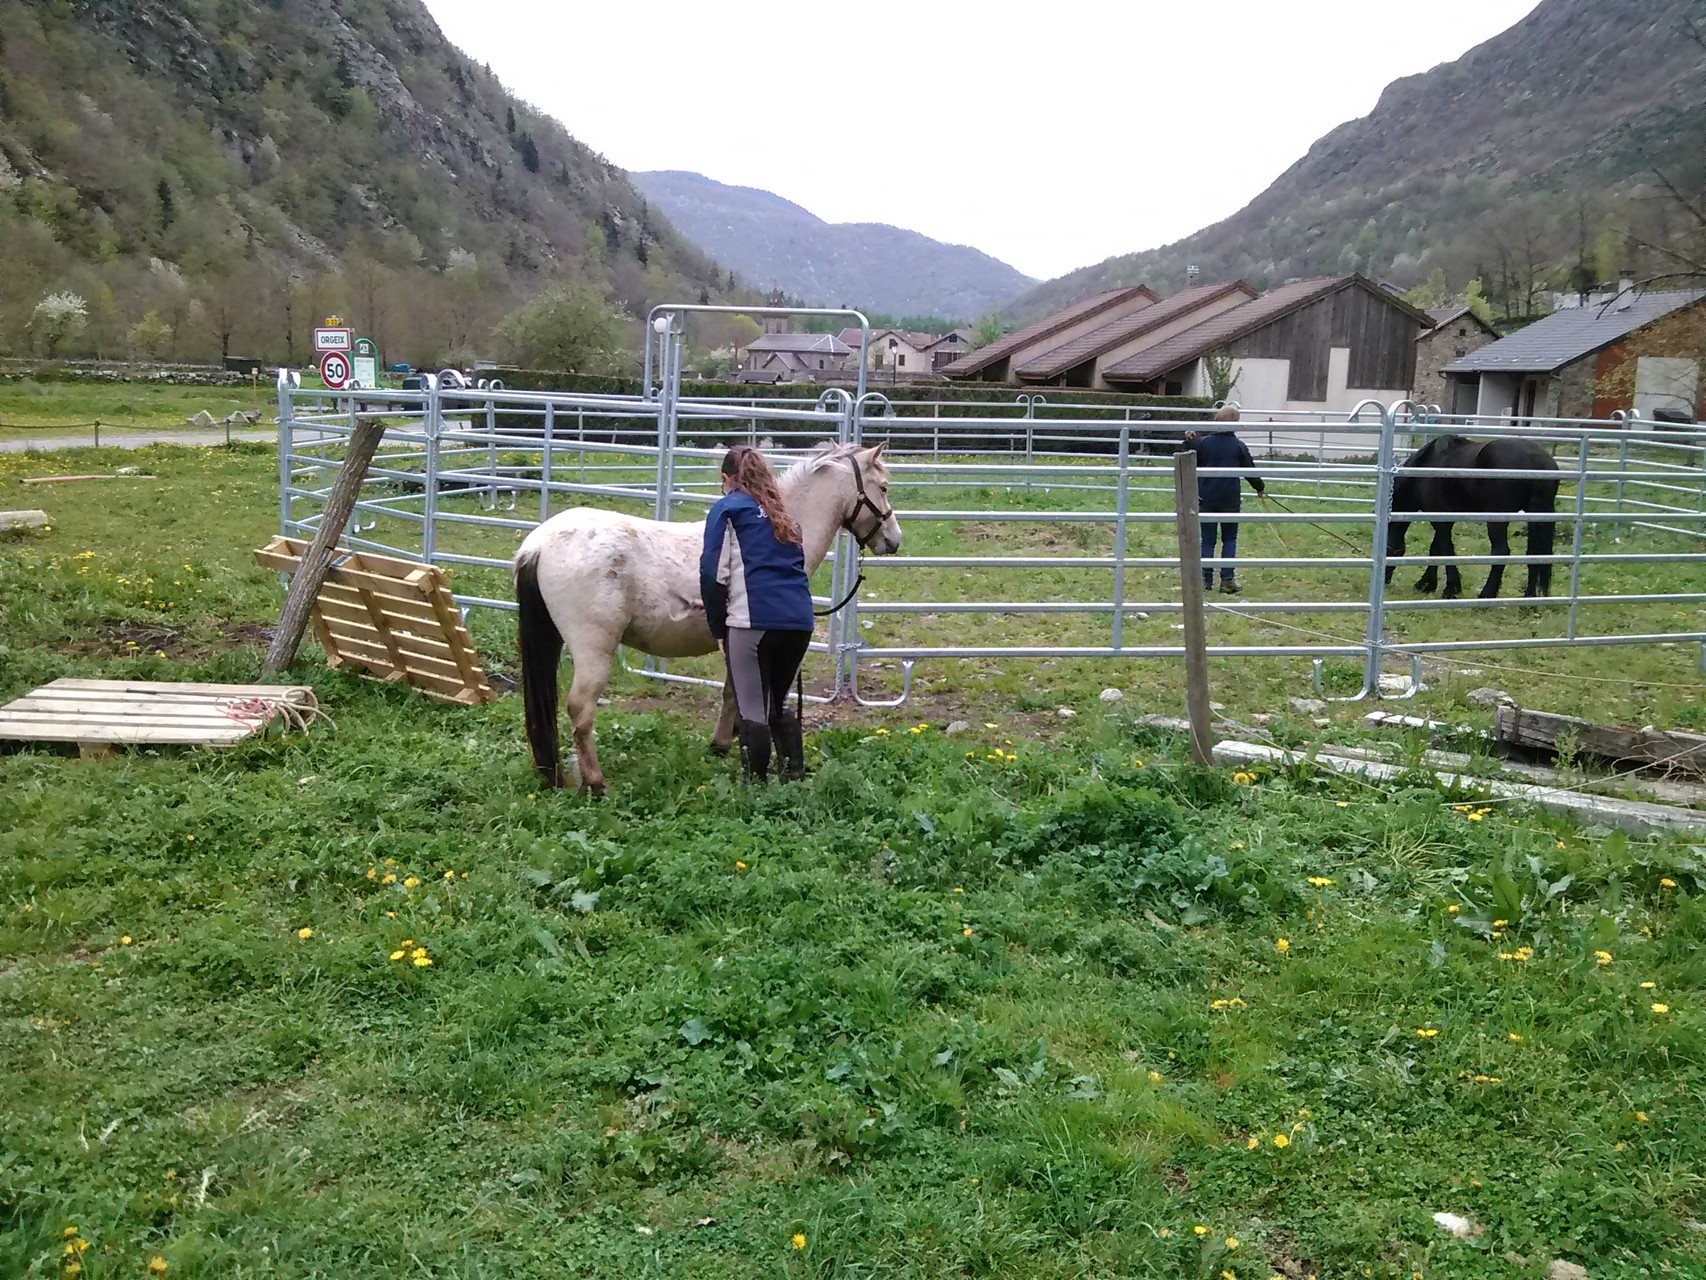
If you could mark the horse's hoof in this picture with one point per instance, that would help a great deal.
(719, 749)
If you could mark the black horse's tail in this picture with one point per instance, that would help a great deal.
(1542, 534)
(541, 655)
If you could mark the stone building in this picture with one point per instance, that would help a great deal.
(1457, 331)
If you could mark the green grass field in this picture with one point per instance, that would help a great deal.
(1034, 1000)
(32, 410)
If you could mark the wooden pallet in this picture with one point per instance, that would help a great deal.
(395, 618)
(97, 714)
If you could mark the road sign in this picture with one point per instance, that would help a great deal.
(333, 339)
(334, 370)
(366, 364)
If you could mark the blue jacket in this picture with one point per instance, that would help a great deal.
(748, 577)
(1222, 449)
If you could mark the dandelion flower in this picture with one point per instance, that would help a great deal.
(1231, 1243)
(1281, 1141)
(1427, 1033)
(417, 953)
(450, 875)
(990, 724)
(157, 1265)
(1320, 882)
(1667, 883)
(305, 932)
(372, 872)
(1659, 1008)
(1500, 924)
(1341, 804)
(798, 1240)
(1154, 1077)
(1641, 1117)
(1282, 945)
(422, 962)
(967, 931)
(1453, 909)
(739, 865)
(388, 878)
(1243, 779)
(1200, 1230)
(412, 882)
(1250, 1144)
(124, 939)
(1647, 986)
(397, 955)
(1163, 1233)
(959, 888)
(1514, 1037)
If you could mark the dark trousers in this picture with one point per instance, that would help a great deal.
(1227, 532)
(762, 664)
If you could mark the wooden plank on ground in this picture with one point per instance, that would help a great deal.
(93, 713)
(1634, 816)
(69, 479)
(393, 619)
(1655, 748)
(32, 519)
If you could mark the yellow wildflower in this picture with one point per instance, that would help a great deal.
(450, 875)
(1659, 1008)
(959, 889)
(1453, 909)
(390, 862)
(1500, 924)
(1514, 1037)
(411, 882)
(71, 1231)
(1200, 1230)
(422, 962)
(1281, 1141)
(372, 872)
(417, 953)
(1603, 957)
(1282, 945)
(967, 931)
(397, 955)
(739, 865)
(1667, 883)
(1647, 986)
(798, 1240)
(1163, 1233)
(1320, 882)
(1251, 1144)
(157, 1265)
(124, 939)
(1231, 1243)
(1244, 779)
(1154, 1077)
(990, 724)
(305, 932)
(388, 878)
(1427, 1033)
(1641, 1117)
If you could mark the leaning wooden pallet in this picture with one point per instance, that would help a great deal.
(394, 619)
(100, 714)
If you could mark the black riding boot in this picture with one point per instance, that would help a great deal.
(754, 751)
(790, 746)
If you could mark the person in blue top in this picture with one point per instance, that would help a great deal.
(758, 604)
(1219, 447)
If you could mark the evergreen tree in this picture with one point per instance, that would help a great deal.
(168, 210)
(529, 153)
(509, 119)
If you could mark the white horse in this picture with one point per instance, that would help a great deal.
(596, 579)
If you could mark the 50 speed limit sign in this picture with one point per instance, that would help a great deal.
(334, 370)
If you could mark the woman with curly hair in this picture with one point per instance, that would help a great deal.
(758, 604)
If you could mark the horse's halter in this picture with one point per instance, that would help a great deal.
(864, 503)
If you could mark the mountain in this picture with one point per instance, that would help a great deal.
(218, 174)
(774, 244)
(1520, 162)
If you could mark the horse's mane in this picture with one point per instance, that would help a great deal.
(1425, 456)
(832, 451)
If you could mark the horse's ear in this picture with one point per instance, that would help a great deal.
(876, 450)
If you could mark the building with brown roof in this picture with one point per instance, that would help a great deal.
(1080, 362)
(994, 363)
(1318, 344)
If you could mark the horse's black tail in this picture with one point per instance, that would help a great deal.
(541, 655)
(1542, 534)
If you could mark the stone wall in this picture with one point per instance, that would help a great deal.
(1440, 347)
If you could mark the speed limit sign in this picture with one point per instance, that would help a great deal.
(334, 370)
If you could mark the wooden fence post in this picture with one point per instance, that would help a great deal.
(1191, 595)
(305, 583)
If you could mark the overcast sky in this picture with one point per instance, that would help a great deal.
(1050, 135)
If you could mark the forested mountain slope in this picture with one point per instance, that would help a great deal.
(774, 243)
(216, 174)
(1516, 162)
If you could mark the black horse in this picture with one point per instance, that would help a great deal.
(1415, 490)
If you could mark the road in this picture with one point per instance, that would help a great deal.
(133, 439)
